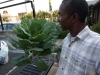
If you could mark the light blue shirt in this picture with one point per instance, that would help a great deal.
(81, 56)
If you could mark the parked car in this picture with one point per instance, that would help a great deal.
(9, 25)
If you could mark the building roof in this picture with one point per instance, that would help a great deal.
(97, 4)
(92, 2)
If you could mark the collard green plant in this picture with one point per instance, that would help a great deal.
(36, 37)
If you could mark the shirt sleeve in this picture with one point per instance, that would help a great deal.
(97, 66)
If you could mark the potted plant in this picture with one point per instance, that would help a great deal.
(36, 37)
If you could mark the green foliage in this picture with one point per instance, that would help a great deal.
(22, 60)
(43, 14)
(55, 15)
(63, 34)
(36, 37)
(28, 15)
(96, 27)
(40, 63)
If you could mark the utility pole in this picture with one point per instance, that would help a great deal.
(1, 22)
(50, 9)
(33, 7)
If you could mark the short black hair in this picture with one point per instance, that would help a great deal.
(77, 6)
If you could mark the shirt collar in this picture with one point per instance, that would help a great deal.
(82, 34)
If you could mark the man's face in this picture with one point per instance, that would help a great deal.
(63, 19)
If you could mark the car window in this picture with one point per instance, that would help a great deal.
(10, 27)
(5, 27)
(0, 28)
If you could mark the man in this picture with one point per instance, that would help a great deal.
(81, 48)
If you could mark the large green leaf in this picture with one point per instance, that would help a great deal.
(41, 65)
(19, 32)
(39, 37)
(27, 42)
(50, 37)
(21, 60)
(16, 44)
(56, 49)
(13, 42)
(46, 52)
(35, 49)
(35, 26)
(58, 27)
(50, 42)
(42, 21)
(47, 45)
(24, 31)
(36, 33)
(25, 23)
(47, 28)
(52, 31)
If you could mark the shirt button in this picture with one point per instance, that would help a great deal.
(69, 45)
(62, 68)
(65, 57)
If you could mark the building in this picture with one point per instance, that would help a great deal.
(96, 11)
(7, 17)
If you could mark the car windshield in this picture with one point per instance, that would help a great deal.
(8, 26)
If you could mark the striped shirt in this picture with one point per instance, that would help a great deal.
(80, 56)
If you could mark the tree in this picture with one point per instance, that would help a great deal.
(43, 14)
(28, 15)
(55, 15)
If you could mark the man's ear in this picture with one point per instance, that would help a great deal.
(75, 17)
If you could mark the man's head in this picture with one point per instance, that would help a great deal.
(72, 11)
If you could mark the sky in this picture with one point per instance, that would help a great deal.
(44, 4)
(39, 5)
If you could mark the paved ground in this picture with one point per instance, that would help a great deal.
(53, 69)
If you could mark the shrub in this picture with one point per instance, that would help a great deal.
(96, 27)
